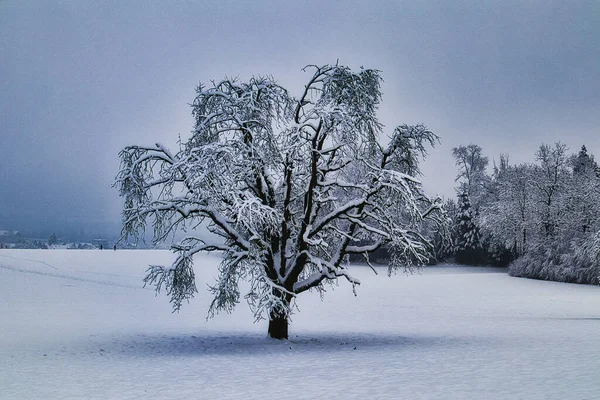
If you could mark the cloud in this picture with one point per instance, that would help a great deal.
(81, 79)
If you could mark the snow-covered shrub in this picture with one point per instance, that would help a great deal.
(573, 261)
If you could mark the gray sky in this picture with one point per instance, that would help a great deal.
(79, 80)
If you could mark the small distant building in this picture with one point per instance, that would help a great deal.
(5, 232)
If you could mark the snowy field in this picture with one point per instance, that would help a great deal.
(78, 325)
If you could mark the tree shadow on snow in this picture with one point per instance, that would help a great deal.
(214, 344)
(572, 318)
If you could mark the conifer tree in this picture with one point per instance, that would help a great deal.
(467, 245)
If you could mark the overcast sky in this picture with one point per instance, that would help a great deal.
(79, 80)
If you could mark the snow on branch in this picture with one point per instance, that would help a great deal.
(178, 281)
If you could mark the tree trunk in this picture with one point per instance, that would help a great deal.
(278, 326)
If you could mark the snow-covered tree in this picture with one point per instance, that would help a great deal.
(584, 163)
(550, 180)
(443, 237)
(472, 177)
(530, 202)
(508, 219)
(52, 239)
(290, 187)
(467, 245)
(583, 192)
(473, 190)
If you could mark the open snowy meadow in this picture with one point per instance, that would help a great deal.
(79, 325)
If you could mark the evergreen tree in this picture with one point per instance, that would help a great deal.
(467, 246)
(443, 236)
(585, 163)
(582, 189)
(472, 177)
(52, 239)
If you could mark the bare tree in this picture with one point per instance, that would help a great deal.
(291, 186)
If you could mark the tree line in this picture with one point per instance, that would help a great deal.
(541, 218)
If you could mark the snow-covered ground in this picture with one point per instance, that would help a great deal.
(78, 325)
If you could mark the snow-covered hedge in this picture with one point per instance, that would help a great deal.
(574, 261)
